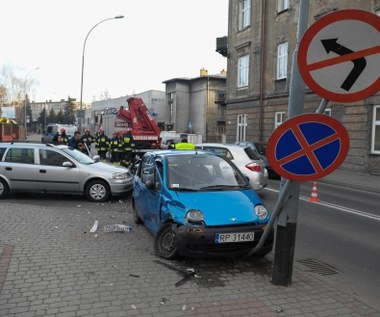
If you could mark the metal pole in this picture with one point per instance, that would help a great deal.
(287, 220)
(82, 72)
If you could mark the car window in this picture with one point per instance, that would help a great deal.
(253, 155)
(147, 169)
(219, 151)
(20, 155)
(51, 158)
(2, 151)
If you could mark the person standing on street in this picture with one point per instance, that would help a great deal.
(128, 144)
(116, 146)
(184, 144)
(75, 142)
(87, 139)
(102, 144)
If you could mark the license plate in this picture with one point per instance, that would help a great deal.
(234, 237)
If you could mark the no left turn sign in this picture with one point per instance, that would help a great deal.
(339, 56)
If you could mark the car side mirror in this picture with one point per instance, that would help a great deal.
(67, 164)
(96, 158)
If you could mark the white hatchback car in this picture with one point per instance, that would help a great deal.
(249, 163)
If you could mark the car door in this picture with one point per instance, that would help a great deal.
(149, 202)
(19, 168)
(53, 176)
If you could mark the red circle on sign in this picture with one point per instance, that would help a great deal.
(306, 148)
(305, 70)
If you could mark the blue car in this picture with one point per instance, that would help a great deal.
(198, 204)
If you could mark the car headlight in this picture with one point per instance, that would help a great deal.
(119, 175)
(194, 216)
(261, 211)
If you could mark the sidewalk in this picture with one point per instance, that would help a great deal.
(353, 179)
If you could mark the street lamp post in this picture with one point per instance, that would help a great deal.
(81, 82)
(25, 114)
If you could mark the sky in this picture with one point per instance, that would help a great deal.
(157, 40)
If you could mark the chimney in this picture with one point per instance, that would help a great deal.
(223, 72)
(203, 72)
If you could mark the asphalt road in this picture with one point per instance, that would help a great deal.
(340, 235)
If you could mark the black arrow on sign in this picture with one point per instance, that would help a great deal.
(331, 45)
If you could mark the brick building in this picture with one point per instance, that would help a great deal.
(261, 39)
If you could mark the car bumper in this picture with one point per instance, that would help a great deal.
(200, 241)
(121, 187)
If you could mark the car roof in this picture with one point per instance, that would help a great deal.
(224, 145)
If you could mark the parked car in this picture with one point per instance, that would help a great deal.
(53, 128)
(247, 160)
(196, 203)
(261, 149)
(46, 168)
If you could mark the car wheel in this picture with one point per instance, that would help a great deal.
(98, 191)
(4, 189)
(136, 217)
(165, 243)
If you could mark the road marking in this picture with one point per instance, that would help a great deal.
(340, 208)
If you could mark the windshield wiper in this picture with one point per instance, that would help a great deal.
(184, 189)
(222, 187)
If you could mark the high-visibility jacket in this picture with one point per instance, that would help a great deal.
(185, 146)
(102, 143)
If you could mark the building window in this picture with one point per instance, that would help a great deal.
(243, 71)
(279, 117)
(241, 127)
(282, 60)
(244, 14)
(282, 5)
(375, 142)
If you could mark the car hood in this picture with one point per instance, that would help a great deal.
(104, 167)
(224, 207)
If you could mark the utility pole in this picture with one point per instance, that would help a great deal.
(287, 220)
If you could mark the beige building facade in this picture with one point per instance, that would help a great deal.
(262, 36)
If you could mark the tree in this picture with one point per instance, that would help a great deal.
(69, 114)
(52, 117)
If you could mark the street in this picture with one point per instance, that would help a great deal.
(51, 264)
(341, 231)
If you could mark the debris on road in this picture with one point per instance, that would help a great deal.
(117, 228)
(94, 227)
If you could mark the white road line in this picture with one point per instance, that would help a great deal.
(341, 208)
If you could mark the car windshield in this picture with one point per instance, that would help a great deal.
(202, 172)
(77, 155)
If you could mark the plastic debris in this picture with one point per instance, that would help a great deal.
(94, 227)
(117, 228)
(133, 306)
(184, 307)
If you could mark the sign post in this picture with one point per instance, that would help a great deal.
(287, 221)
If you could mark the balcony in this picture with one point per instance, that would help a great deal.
(222, 45)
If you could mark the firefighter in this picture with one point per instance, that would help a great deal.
(116, 146)
(128, 145)
(87, 139)
(102, 144)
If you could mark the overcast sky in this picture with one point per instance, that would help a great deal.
(157, 40)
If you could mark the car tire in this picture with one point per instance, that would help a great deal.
(136, 218)
(4, 189)
(97, 191)
(165, 243)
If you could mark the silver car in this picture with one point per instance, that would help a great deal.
(249, 163)
(45, 168)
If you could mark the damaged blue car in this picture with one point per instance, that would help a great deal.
(198, 204)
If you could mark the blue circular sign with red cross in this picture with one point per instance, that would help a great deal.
(307, 147)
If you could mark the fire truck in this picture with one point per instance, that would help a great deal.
(143, 127)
